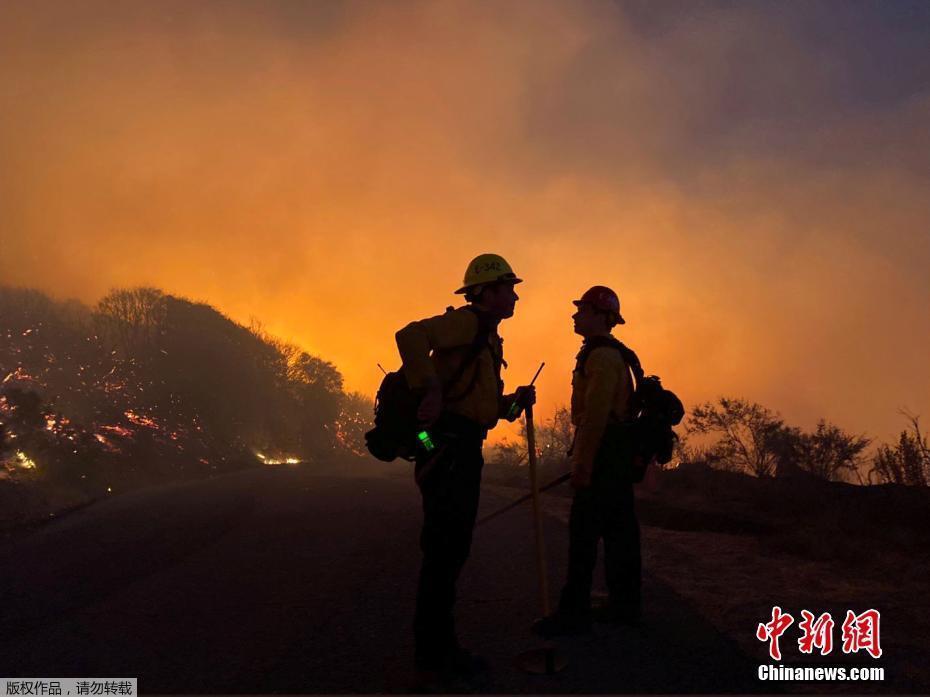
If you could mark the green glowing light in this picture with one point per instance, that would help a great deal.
(426, 441)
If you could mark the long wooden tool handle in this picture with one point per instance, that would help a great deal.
(513, 504)
(541, 365)
(537, 514)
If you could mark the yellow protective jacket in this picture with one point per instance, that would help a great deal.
(602, 392)
(434, 348)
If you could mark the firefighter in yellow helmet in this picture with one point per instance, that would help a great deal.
(454, 360)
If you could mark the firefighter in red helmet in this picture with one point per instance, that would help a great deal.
(602, 460)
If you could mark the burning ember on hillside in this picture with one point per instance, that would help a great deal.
(19, 375)
(120, 431)
(139, 420)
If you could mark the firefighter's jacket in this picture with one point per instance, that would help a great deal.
(602, 392)
(435, 347)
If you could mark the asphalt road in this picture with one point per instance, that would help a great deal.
(302, 580)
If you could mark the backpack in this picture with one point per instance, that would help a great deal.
(396, 404)
(655, 410)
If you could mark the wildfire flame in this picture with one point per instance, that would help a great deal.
(140, 420)
(23, 461)
(105, 442)
(118, 430)
(278, 461)
(19, 375)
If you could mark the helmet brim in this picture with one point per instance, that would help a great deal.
(579, 303)
(513, 280)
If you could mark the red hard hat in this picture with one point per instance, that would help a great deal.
(604, 299)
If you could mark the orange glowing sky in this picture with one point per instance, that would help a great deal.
(751, 178)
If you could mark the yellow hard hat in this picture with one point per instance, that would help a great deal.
(487, 268)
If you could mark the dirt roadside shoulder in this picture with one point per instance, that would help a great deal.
(734, 580)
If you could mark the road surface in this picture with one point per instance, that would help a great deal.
(301, 580)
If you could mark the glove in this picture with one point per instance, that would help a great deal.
(521, 399)
(525, 396)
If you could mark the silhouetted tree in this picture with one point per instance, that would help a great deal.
(687, 452)
(220, 374)
(747, 433)
(786, 443)
(355, 418)
(510, 453)
(553, 440)
(149, 387)
(317, 387)
(829, 451)
(555, 436)
(314, 386)
(132, 319)
(907, 462)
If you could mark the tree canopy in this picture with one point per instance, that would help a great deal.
(147, 385)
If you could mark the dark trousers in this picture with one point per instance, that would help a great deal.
(605, 510)
(450, 486)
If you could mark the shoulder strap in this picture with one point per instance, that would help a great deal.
(478, 344)
(632, 360)
(629, 356)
